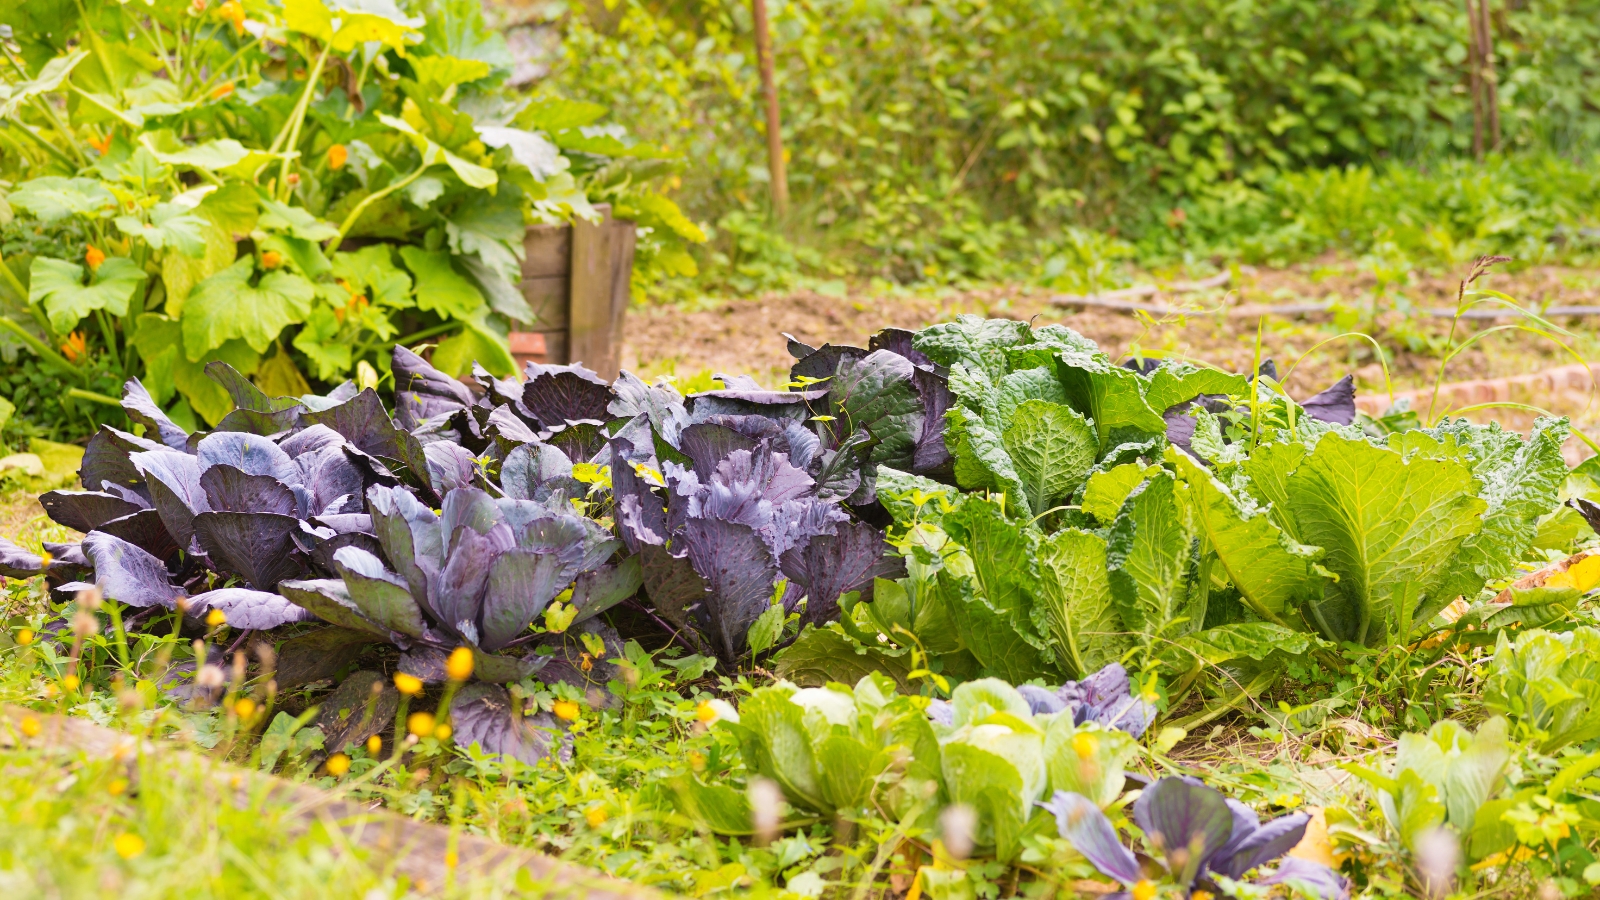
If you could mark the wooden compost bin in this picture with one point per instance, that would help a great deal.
(577, 280)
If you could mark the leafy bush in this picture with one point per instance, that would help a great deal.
(916, 131)
(1547, 684)
(283, 189)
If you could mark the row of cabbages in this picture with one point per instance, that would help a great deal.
(1017, 761)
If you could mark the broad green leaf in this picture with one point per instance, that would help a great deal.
(848, 771)
(227, 306)
(294, 222)
(181, 272)
(1257, 641)
(766, 629)
(1016, 388)
(303, 256)
(979, 343)
(1074, 604)
(825, 654)
(51, 198)
(534, 152)
(723, 809)
(782, 745)
(1171, 385)
(1097, 773)
(319, 341)
(492, 228)
(455, 354)
(996, 640)
(159, 341)
(457, 28)
(347, 25)
(1113, 397)
(1147, 556)
(983, 772)
(440, 288)
(1002, 554)
(1105, 491)
(553, 114)
(57, 285)
(50, 78)
(170, 226)
(439, 73)
(1549, 684)
(210, 155)
(1274, 575)
(1052, 449)
(373, 269)
(1384, 523)
(472, 174)
(143, 170)
(235, 208)
(1268, 469)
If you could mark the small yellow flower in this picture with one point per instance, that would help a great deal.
(216, 618)
(595, 815)
(117, 787)
(244, 707)
(443, 731)
(459, 666)
(1200, 895)
(128, 845)
(338, 155)
(705, 712)
(70, 682)
(233, 12)
(31, 726)
(1085, 745)
(586, 663)
(565, 709)
(697, 761)
(410, 685)
(374, 745)
(25, 637)
(1144, 890)
(271, 259)
(222, 90)
(337, 765)
(451, 859)
(420, 724)
(103, 145)
(75, 346)
(94, 256)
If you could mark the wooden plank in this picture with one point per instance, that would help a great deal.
(590, 293)
(625, 237)
(548, 251)
(548, 297)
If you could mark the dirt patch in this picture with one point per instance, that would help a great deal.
(744, 335)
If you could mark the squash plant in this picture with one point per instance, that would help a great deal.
(289, 188)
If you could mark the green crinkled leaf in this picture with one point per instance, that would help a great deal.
(440, 288)
(723, 809)
(825, 654)
(1384, 523)
(980, 343)
(57, 285)
(1099, 775)
(1106, 491)
(210, 155)
(227, 306)
(1256, 641)
(1520, 481)
(981, 460)
(319, 341)
(1147, 555)
(1268, 469)
(782, 745)
(1017, 388)
(1073, 602)
(995, 640)
(1174, 384)
(1112, 396)
(51, 77)
(180, 272)
(992, 784)
(53, 197)
(1273, 575)
(1052, 449)
(1002, 554)
(372, 269)
(492, 228)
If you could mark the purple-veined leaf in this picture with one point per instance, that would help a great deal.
(422, 392)
(557, 394)
(173, 479)
(596, 591)
(364, 422)
(450, 466)
(829, 565)
(329, 600)
(249, 453)
(258, 547)
(86, 510)
(411, 537)
(245, 394)
(144, 530)
(248, 609)
(1186, 820)
(142, 409)
(1084, 826)
(381, 595)
(105, 459)
(521, 583)
(707, 444)
(528, 467)
(16, 562)
(230, 490)
(457, 596)
(310, 440)
(1315, 877)
(328, 474)
(739, 571)
(1335, 404)
(482, 715)
(127, 574)
(1259, 845)
(674, 587)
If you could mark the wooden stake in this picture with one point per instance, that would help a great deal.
(775, 165)
(1491, 90)
(1475, 77)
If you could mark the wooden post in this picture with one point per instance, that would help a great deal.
(1491, 90)
(578, 280)
(1475, 78)
(776, 167)
(589, 317)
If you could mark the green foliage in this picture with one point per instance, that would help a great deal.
(1547, 684)
(180, 191)
(956, 140)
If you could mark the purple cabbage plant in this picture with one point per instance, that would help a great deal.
(1196, 839)
(1105, 698)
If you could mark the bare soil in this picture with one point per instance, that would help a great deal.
(745, 335)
